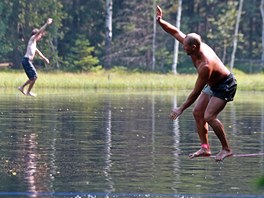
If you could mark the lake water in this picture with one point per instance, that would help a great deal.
(101, 143)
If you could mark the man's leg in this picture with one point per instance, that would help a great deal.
(215, 106)
(23, 87)
(202, 126)
(31, 84)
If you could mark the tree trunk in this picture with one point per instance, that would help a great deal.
(154, 37)
(176, 43)
(236, 34)
(108, 34)
(262, 14)
(224, 53)
(54, 45)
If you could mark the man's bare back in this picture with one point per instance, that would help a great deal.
(209, 59)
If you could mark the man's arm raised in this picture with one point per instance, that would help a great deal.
(41, 30)
(175, 32)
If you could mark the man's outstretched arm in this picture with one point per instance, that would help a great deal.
(175, 32)
(203, 75)
(42, 56)
(41, 30)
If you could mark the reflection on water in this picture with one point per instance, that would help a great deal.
(108, 145)
(68, 143)
(31, 159)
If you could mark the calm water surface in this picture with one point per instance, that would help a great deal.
(77, 143)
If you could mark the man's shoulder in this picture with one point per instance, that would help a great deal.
(206, 47)
(32, 40)
(209, 53)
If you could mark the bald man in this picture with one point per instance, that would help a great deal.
(214, 87)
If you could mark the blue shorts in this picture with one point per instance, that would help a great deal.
(29, 69)
(225, 90)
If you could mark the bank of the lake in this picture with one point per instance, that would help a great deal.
(120, 80)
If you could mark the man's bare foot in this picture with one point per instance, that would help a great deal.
(22, 90)
(31, 94)
(223, 154)
(202, 152)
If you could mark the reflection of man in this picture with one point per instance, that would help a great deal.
(29, 68)
(31, 166)
(215, 86)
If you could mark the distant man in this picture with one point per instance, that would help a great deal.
(29, 68)
(214, 87)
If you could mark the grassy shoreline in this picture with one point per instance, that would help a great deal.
(121, 80)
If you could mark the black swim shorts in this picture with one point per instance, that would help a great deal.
(225, 90)
(29, 68)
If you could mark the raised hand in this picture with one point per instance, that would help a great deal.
(49, 21)
(158, 13)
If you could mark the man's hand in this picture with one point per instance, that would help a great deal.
(49, 21)
(175, 113)
(159, 13)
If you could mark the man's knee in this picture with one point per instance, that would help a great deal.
(33, 79)
(198, 113)
(209, 117)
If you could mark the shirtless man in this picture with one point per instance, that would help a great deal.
(214, 87)
(29, 68)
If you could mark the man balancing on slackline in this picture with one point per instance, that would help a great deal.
(214, 87)
(29, 68)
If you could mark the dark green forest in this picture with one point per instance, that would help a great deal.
(76, 39)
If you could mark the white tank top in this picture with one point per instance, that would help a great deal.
(31, 48)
